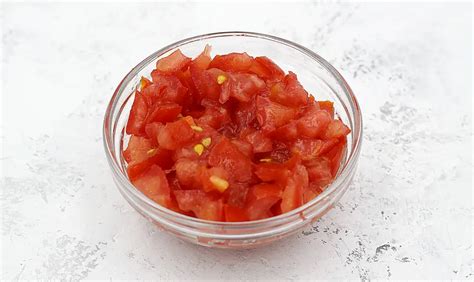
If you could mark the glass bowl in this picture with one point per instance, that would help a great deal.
(318, 77)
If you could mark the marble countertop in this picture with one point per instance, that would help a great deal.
(408, 213)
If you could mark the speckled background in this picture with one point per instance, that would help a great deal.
(408, 213)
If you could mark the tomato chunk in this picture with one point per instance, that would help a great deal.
(235, 62)
(154, 185)
(201, 204)
(228, 156)
(173, 62)
(138, 113)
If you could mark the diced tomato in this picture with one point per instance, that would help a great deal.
(154, 185)
(289, 92)
(307, 149)
(335, 155)
(327, 106)
(271, 115)
(242, 87)
(236, 194)
(261, 208)
(172, 63)
(175, 134)
(336, 129)
(245, 114)
(206, 83)
(230, 138)
(260, 143)
(201, 204)
(187, 172)
(244, 146)
(173, 90)
(272, 172)
(235, 214)
(228, 156)
(138, 113)
(144, 82)
(204, 59)
(235, 62)
(214, 116)
(164, 112)
(287, 132)
(263, 190)
(293, 193)
(313, 123)
(266, 69)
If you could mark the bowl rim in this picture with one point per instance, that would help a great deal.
(344, 173)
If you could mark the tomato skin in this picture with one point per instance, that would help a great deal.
(235, 62)
(226, 155)
(154, 185)
(172, 63)
(261, 208)
(201, 204)
(138, 113)
(335, 155)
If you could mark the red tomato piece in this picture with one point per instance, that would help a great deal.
(272, 172)
(235, 214)
(260, 143)
(170, 88)
(175, 134)
(327, 106)
(204, 59)
(236, 62)
(336, 129)
(289, 92)
(138, 113)
(228, 156)
(266, 69)
(335, 155)
(154, 185)
(205, 82)
(292, 196)
(201, 204)
(287, 132)
(307, 149)
(313, 123)
(242, 87)
(164, 113)
(245, 114)
(236, 194)
(245, 147)
(137, 149)
(187, 172)
(263, 190)
(271, 115)
(172, 63)
(261, 208)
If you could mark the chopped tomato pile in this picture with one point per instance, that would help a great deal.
(230, 138)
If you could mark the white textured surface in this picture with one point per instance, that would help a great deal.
(408, 213)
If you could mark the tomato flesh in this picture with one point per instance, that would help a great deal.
(230, 138)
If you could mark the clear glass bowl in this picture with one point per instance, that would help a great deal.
(318, 77)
